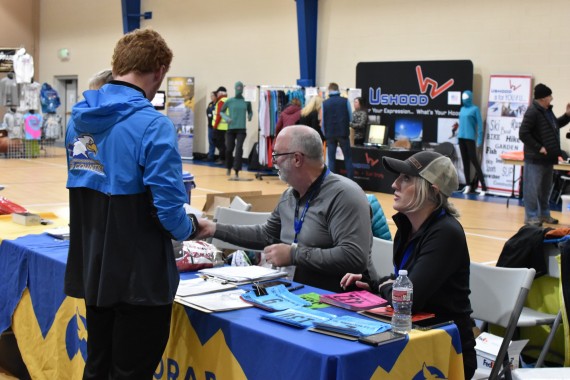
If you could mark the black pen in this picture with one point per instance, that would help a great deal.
(296, 287)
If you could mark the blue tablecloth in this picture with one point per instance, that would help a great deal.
(51, 334)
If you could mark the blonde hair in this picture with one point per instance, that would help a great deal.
(313, 105)
(101, 78)
(425, 193)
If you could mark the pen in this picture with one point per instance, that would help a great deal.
(296, 287)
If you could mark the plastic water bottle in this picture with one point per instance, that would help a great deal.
(402, 296)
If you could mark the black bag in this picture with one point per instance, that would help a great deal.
(253, 159)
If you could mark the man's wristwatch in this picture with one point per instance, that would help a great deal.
(194, 222)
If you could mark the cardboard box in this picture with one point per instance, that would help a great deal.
(487, 347)
(26, 218)
(259, 202)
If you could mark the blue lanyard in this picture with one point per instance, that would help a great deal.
(298, 223)
(407, 254)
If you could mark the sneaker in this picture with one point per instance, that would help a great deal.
(534, 222)
(549, 220)
(482, 193)
(467, 190)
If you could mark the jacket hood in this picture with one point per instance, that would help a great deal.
(103, 108)
(467, 98)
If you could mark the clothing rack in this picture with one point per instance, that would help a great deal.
(268, 109)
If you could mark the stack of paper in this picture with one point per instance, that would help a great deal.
(353, 326)
(385, 313)
(221, 301)
(197, 286)
(61, 233)
(356, 300)
(243, 275)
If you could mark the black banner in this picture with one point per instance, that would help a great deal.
(414, 99)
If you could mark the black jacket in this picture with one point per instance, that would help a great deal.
(439, 268)
(525, 249)
(540, 128)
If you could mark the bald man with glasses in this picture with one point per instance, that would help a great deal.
(321, 224)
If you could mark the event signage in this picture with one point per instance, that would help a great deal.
(414, 99)
(509, 98)
(180, 109)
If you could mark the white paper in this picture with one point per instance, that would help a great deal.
(197, 286)
(243, 274)
(221, 301)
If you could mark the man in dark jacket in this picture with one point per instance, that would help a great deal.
(540, 134)
(337, 115)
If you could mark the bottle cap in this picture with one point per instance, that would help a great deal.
(402, 272)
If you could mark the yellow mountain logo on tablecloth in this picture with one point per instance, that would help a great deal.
(186, 358)
(435, 347)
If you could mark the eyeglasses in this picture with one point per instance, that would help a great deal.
(275, 155)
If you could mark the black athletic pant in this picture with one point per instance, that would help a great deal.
(126, 341)
(234, 139)
(220, 143)
(469, 155)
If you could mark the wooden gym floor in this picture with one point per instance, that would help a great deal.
(39, 185)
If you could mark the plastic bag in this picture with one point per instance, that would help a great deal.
(9, 207)
(195, 255)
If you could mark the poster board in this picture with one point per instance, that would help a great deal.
(180, 110)
(509, 98)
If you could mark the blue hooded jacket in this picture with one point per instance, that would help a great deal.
(117, 158)
(126, 197)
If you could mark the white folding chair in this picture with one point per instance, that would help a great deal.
(497, 297)
(530, 317)
(228, 215)
(239, 204)
(381, 255)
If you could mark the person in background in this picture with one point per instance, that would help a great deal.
(237, 109)
(101, 78)
(321, 223)
(311, 114)
(430, 244)
(210, 114)
(539, 131)
(336, 118)
(220, 125)
(359, 121)
(126, 204)
(471, 130)
(289, 116)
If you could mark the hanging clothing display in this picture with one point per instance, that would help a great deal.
(32, 126)
(14, 123)
(272, 101)
(52, 128)
(30, 96)
(23, 66)
(9, 91)
(49, 99)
